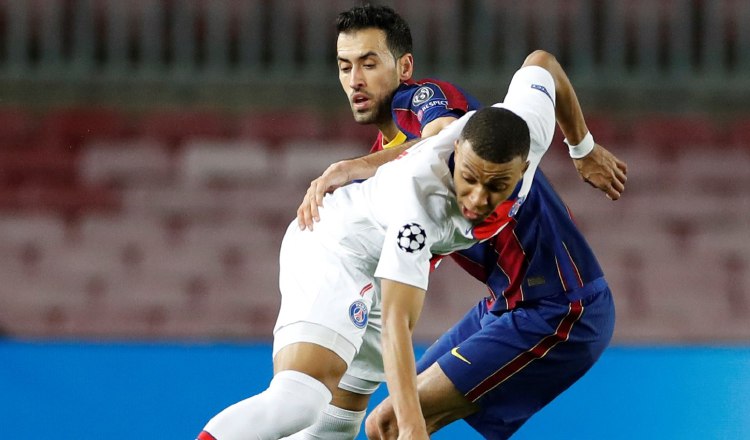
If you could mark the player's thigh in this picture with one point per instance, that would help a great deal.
(366, 371)
(522, 359)
(314, 360)
(442, 403)
(324, 301)
(328, 367)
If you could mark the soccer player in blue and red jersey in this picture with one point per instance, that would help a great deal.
(548, 317)
(375, 64)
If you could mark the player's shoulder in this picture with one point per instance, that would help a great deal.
(416, 93)
(422, 169)
(532, 81)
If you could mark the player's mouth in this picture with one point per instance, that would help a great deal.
(471, 215)
(360, 101)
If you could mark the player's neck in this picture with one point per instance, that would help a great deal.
(389, 131)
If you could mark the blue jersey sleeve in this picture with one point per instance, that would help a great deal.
(416, 104)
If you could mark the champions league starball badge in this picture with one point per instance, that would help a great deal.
(411, 238)
(422, 95)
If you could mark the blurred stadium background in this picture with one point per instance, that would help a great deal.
(152, 152)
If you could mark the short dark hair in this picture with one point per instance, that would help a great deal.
(397, 32)
(497, 135)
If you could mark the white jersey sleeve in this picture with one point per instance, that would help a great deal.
(416, 221)
(531, 95)
(406, 253)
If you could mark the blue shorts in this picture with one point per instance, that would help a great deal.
(514, 363)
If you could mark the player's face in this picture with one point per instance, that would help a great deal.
(369, 74)
(482, 185)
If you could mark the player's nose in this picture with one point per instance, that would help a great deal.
(478, 197)
(356, 78)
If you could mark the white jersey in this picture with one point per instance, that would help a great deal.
(392, 223)
(389, 227)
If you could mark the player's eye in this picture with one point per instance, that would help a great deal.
(345, 68)
(469, 179)
(369, 65)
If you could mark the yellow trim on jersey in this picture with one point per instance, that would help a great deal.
(398, 140)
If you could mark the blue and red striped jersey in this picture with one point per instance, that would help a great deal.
(417, 103)
(540, 253)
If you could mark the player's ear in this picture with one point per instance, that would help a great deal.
(405, 67)
(525, 166)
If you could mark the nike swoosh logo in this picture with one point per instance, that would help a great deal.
(455, 353)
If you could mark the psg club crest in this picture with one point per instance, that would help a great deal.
(422, 95)
(516, 206)
(358, 314)
(411, 238)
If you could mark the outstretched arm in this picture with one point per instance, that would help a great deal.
(339, 174)
(595, 164)
(402, 305)
(345, 171)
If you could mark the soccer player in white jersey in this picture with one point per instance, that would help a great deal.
(352, 289)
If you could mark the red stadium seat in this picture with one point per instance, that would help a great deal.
(304, 160)
(606, 131)
(670, 134)
(126, 163)
(278, 127)
(37, 166)
(706, 172)
(647, 171)
(739, 133)
(16, 126)
(343, 128)
(72, 127)
(69, 202)
(29, 234)
(225, 163)
(172, 127)
(182, 205)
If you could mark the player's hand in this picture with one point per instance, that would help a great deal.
(601, 169)
(333, 177)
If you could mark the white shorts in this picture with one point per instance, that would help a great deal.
(328, 300)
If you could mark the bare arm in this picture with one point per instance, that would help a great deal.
(600, 168)
(402, 305)
(339, 174)
(343, 172)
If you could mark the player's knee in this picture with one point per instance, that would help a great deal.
(300, 398)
